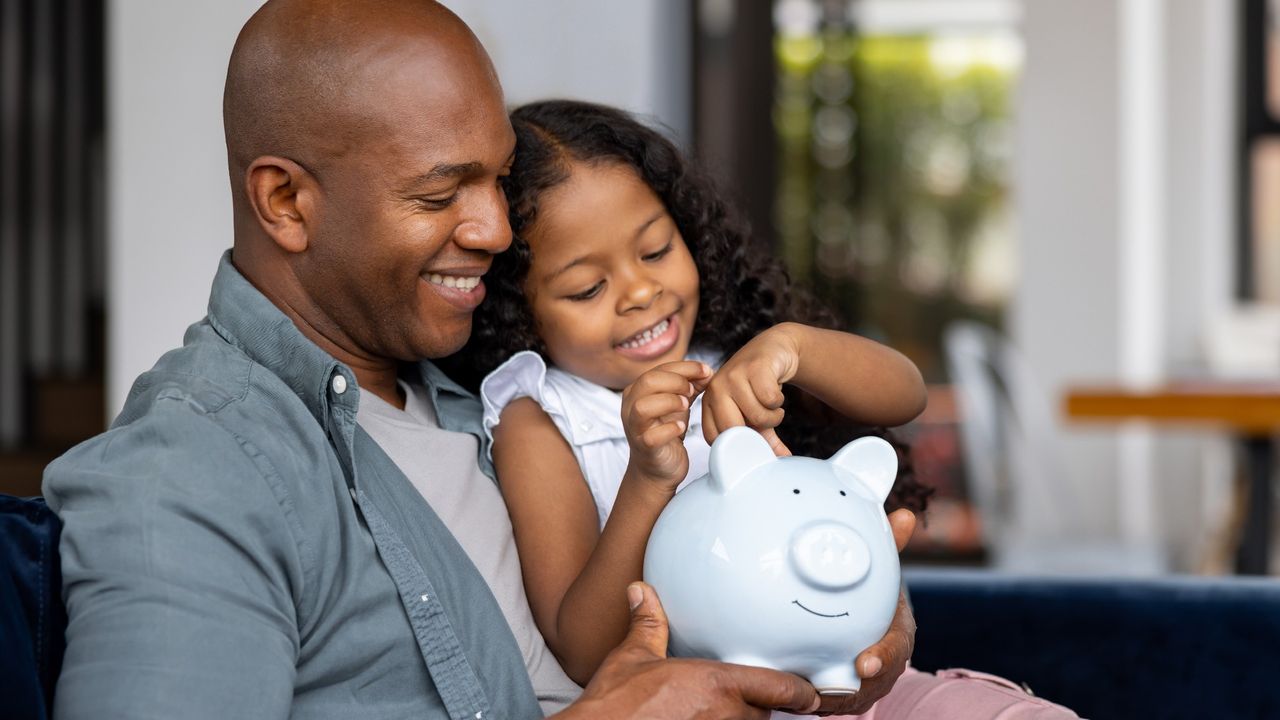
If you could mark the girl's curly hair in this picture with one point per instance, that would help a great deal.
(744, 288)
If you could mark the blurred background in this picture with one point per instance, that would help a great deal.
(1066, 213)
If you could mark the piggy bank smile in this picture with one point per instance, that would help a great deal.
(815, 612)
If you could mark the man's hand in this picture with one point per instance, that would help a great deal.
(880, 665)
(638, 681)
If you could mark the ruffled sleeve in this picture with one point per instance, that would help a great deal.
(523, 375)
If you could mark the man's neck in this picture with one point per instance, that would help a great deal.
(375, 375)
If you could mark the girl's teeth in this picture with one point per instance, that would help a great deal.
(647, 336)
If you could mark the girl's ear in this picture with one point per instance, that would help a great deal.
(872, 461)
(734, 454)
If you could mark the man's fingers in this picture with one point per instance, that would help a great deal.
(648, 621)
(773, 689)
(903, 522)
(892, 650)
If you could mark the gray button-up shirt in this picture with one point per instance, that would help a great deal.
(236, 547)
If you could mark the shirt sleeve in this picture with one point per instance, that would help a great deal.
(523, 375)
(179, 568)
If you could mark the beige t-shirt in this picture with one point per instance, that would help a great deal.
(442, 466)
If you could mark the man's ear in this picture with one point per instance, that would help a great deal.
(282, 194)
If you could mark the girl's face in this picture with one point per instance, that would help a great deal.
(614, 290)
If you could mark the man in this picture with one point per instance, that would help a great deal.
(251, 538)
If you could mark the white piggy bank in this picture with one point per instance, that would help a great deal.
(786, 563)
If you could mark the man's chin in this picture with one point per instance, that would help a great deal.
(438, 344)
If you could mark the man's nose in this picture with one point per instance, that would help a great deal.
(487, 227)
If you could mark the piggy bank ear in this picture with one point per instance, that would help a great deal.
(734, 454)
(873, 461)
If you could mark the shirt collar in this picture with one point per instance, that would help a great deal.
(244, 317)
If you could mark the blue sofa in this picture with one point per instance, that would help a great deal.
(32, 618)
(1166, 648)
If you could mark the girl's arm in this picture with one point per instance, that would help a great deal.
(576, 576)
(859, 378)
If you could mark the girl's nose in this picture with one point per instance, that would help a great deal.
(640, 293)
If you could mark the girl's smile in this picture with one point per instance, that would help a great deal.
(612, 286)
(652, 342)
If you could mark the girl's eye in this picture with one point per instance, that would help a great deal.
(588, 293)
(657, 255)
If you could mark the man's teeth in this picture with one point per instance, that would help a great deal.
(461, 283)
(647, 336)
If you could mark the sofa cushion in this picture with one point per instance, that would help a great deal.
(32, 618)
(1177, 647)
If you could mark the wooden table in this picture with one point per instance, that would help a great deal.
(1248, 409)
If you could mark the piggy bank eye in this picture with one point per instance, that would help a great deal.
(796, 491)
(842, 493)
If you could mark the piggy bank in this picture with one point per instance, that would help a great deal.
(786, 563)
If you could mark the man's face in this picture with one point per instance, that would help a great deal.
(411, 215)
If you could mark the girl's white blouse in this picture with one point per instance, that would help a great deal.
(589, 417)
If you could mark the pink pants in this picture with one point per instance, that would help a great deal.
(961, 695)
(956, 695)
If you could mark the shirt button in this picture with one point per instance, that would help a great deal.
(339, 384)
(584, 425)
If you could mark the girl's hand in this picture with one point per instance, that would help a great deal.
(655, 415)
(747, 390)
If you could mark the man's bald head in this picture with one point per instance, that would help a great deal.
(302, 81)
(365, 142)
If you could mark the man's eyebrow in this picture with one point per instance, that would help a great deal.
(443, 171)
(449, 171)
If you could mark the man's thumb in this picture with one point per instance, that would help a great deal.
(648, 621)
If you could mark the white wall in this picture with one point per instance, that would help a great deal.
(168, 203)
(168, 197)
(1076, 313)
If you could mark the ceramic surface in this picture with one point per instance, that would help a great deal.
(786, 563)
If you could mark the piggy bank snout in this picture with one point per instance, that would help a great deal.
(830, 555)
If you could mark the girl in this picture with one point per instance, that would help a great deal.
(634, 321)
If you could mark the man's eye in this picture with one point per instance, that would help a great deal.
(437, 203)
(589, 292)
(657, 255)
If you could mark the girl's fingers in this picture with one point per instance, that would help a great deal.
(651, 407)
(682, 416)
(709, 429)
(703, 379)
(753, 412)
(668, 378)
(779, 448)
(723, 412)
(659, 435)
(766, 388)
